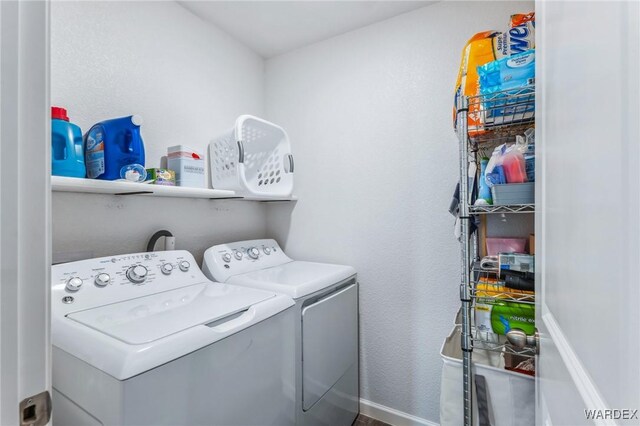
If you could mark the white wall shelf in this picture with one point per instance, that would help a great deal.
(265, 199)
(96, 186)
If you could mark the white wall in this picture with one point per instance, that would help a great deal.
(369, 114)
(187, 79)
(587, 267)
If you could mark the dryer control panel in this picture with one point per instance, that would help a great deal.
(95, 282)
(226, 260)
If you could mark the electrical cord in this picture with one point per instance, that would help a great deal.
(155, 237)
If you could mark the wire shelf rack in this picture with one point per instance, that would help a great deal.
(501, 116)
(494, 209)
(483, 122)
(496, 343)
(484, 291)
(487, 286)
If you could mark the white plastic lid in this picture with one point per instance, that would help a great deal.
(136, 120)
(295, 279)
(181, 148)
(149, 318)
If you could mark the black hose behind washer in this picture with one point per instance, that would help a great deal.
(155, 237)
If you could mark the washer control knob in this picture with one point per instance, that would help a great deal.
(184, 266)
(166, 268)
(237, 254)
(137, 274)
(266, 250)
(253, 253)
(102, 279)
(226, 257)
(74, 284)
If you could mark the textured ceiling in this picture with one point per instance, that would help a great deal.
(271, 28)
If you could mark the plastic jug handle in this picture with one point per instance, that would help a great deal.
(136, 141)
(128, 138)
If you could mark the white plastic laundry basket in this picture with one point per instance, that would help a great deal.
(510, 395)
(253, 158)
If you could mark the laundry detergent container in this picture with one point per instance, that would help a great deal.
(510, 396)
(253, 158)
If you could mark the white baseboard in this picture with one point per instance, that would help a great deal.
(391, 416)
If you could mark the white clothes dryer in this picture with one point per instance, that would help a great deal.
(147, 339)
(326, 322)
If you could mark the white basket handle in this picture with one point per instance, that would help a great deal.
(291, 164)
(240, 152)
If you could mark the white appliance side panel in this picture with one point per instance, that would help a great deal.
(329, 342)
(245, 379)
(68, 413)
(339, 406)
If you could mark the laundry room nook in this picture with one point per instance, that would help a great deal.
(319, 213)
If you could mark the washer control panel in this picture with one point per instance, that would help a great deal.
(95, 282)
(225, 260)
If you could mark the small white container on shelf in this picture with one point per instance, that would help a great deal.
(254, 159)
(188, 165)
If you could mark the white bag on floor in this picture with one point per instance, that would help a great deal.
(510, 395)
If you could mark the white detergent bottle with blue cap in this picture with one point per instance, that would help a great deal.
(113, 144)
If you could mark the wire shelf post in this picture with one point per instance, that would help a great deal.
(465, 293)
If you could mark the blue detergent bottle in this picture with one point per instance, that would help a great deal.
(484, 192)
(113, 144)
(67, 156)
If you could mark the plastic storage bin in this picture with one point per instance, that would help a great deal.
(510, 395)
(253, 158)
(505, 245)
(188, 166)
(514, 193)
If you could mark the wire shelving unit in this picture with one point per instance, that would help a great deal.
(482, 123)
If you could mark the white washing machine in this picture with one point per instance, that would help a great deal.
(147, 339)
(326, 323)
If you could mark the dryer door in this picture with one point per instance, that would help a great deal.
(329, 342)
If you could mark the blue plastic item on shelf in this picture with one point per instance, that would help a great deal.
(67, 156)
(112, 144)
(509, 76)
(484, 191)
(512, 72)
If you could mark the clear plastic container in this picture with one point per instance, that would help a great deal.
(514, 167)
(505, 245)
(188, 165)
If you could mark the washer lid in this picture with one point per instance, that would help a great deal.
(295, 279)
(149, 318)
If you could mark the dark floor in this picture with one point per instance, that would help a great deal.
(368, 421)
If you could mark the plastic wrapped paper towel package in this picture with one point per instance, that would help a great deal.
(484, 48)
(503, 77)
(499, 317)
